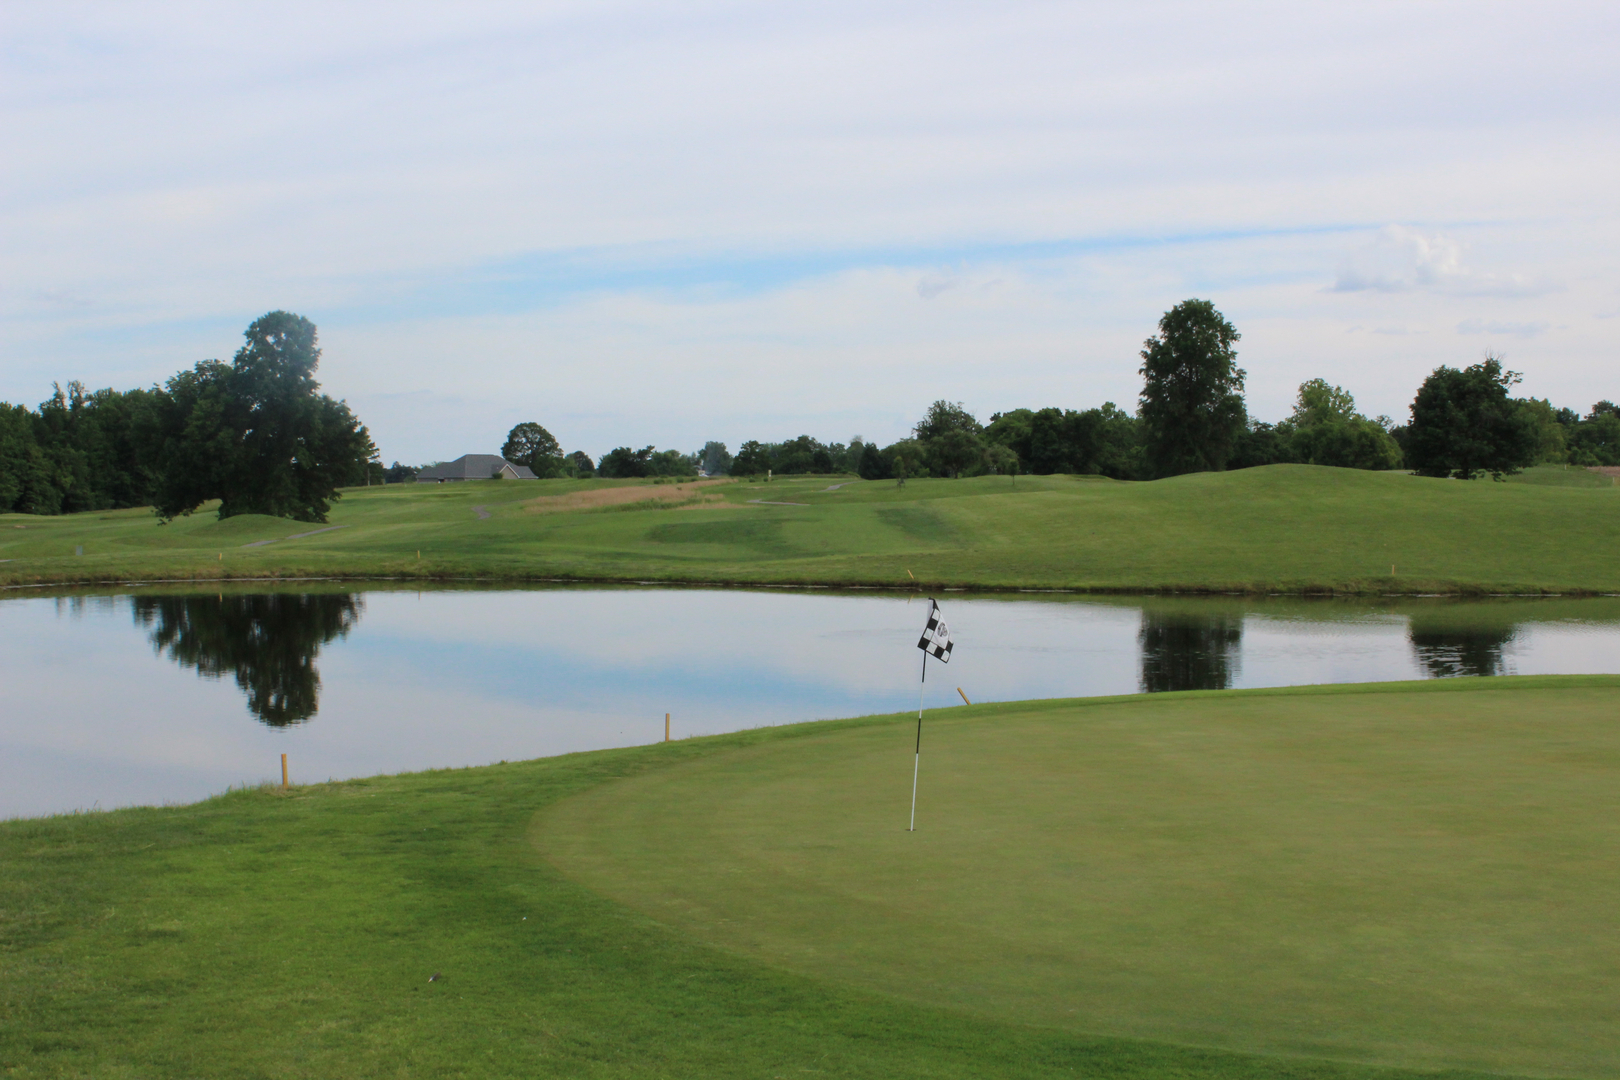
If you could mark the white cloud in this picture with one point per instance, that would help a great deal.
(1400, 259)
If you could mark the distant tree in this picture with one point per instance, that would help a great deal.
(1260, 443)
(399, 474)
(1595, 440)
(1464, 424)
(581, 465)
(751, 460)
(1192, 396)
(1012, 429)
(1000, 460)
(532, 445)
(944, 416)
(257, 434)
(716, 461)
(850, 460)
(622, 463)
(872, 466)
(954, 451)
(907, 458)
(1326, 429)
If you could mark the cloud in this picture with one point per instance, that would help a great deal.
(1517, 329)
(1400, 260)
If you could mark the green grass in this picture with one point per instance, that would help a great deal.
(1561, 476)
(1288, 528)
(1194, 886)
(1411, 876)
(267, 935)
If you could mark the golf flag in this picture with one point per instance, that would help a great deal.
(935, 642)
(936, 638)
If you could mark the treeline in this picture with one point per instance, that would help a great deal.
(1191, 417)
(255, 434)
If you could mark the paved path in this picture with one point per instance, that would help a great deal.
(835, 487)
(767, 502)
(482, 512)
(295, 536)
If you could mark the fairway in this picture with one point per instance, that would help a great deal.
(1423, 876)
(1278, 528)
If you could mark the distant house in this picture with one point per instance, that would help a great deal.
(474, 467)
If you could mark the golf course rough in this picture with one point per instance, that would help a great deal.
(1420, 875)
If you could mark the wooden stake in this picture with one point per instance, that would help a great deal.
(965, 701)
(666, 727)
(283, 772)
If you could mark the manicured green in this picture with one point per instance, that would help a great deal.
(262, 934)
(1418, 875)
(1277, 528)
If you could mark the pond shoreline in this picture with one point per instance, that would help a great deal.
(1373, 588)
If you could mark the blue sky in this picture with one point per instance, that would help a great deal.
(651, 223)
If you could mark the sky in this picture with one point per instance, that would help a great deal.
(655, 223)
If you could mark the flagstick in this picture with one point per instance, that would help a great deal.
(916, 761)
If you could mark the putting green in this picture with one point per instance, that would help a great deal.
(1415, 874)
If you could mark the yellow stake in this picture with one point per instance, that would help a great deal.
(666, 727)
(965, 701)
(283, 772)
(910, 575)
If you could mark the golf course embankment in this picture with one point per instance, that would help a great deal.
(1318, 882)
(1281, 528)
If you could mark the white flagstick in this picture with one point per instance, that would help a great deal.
(916, 761)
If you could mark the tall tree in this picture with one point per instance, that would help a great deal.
(1192, 395)
(1464, 424)
(532, 445)
(257, 434)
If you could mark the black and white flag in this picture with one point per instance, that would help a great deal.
(936, 638)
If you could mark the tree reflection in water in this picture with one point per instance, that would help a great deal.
(1183, 651)
(267, 641)
(1449, 651)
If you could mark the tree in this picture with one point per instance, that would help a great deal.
(954, 450)
(944, 416)
(532, 445)
(750, 460)
(1000, 460)
(716, 461)
(872, 466)
(581, 465)
(256, 434)
(1464, 424)
(1326, 429)
(1192, 395)
(906, 458)
(624, 463)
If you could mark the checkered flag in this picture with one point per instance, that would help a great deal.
(936, 638)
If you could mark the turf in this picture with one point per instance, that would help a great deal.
(1286, 528)
(1419, 876)
(262, 934)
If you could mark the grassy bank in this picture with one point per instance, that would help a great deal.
(1288, 528)
(263, 934)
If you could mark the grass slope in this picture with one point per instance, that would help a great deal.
(1279, 528)
(268, 935)
(1414, 876)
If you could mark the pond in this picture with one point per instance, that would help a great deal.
(148, 697)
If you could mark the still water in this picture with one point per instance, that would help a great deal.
(149, 697)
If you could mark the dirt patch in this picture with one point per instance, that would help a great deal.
(601, 498)
(1611, 471)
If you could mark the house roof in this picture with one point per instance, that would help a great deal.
(473, 467)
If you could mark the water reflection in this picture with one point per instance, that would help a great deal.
(1449, 651)
(268, 642)
(1189, 651)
